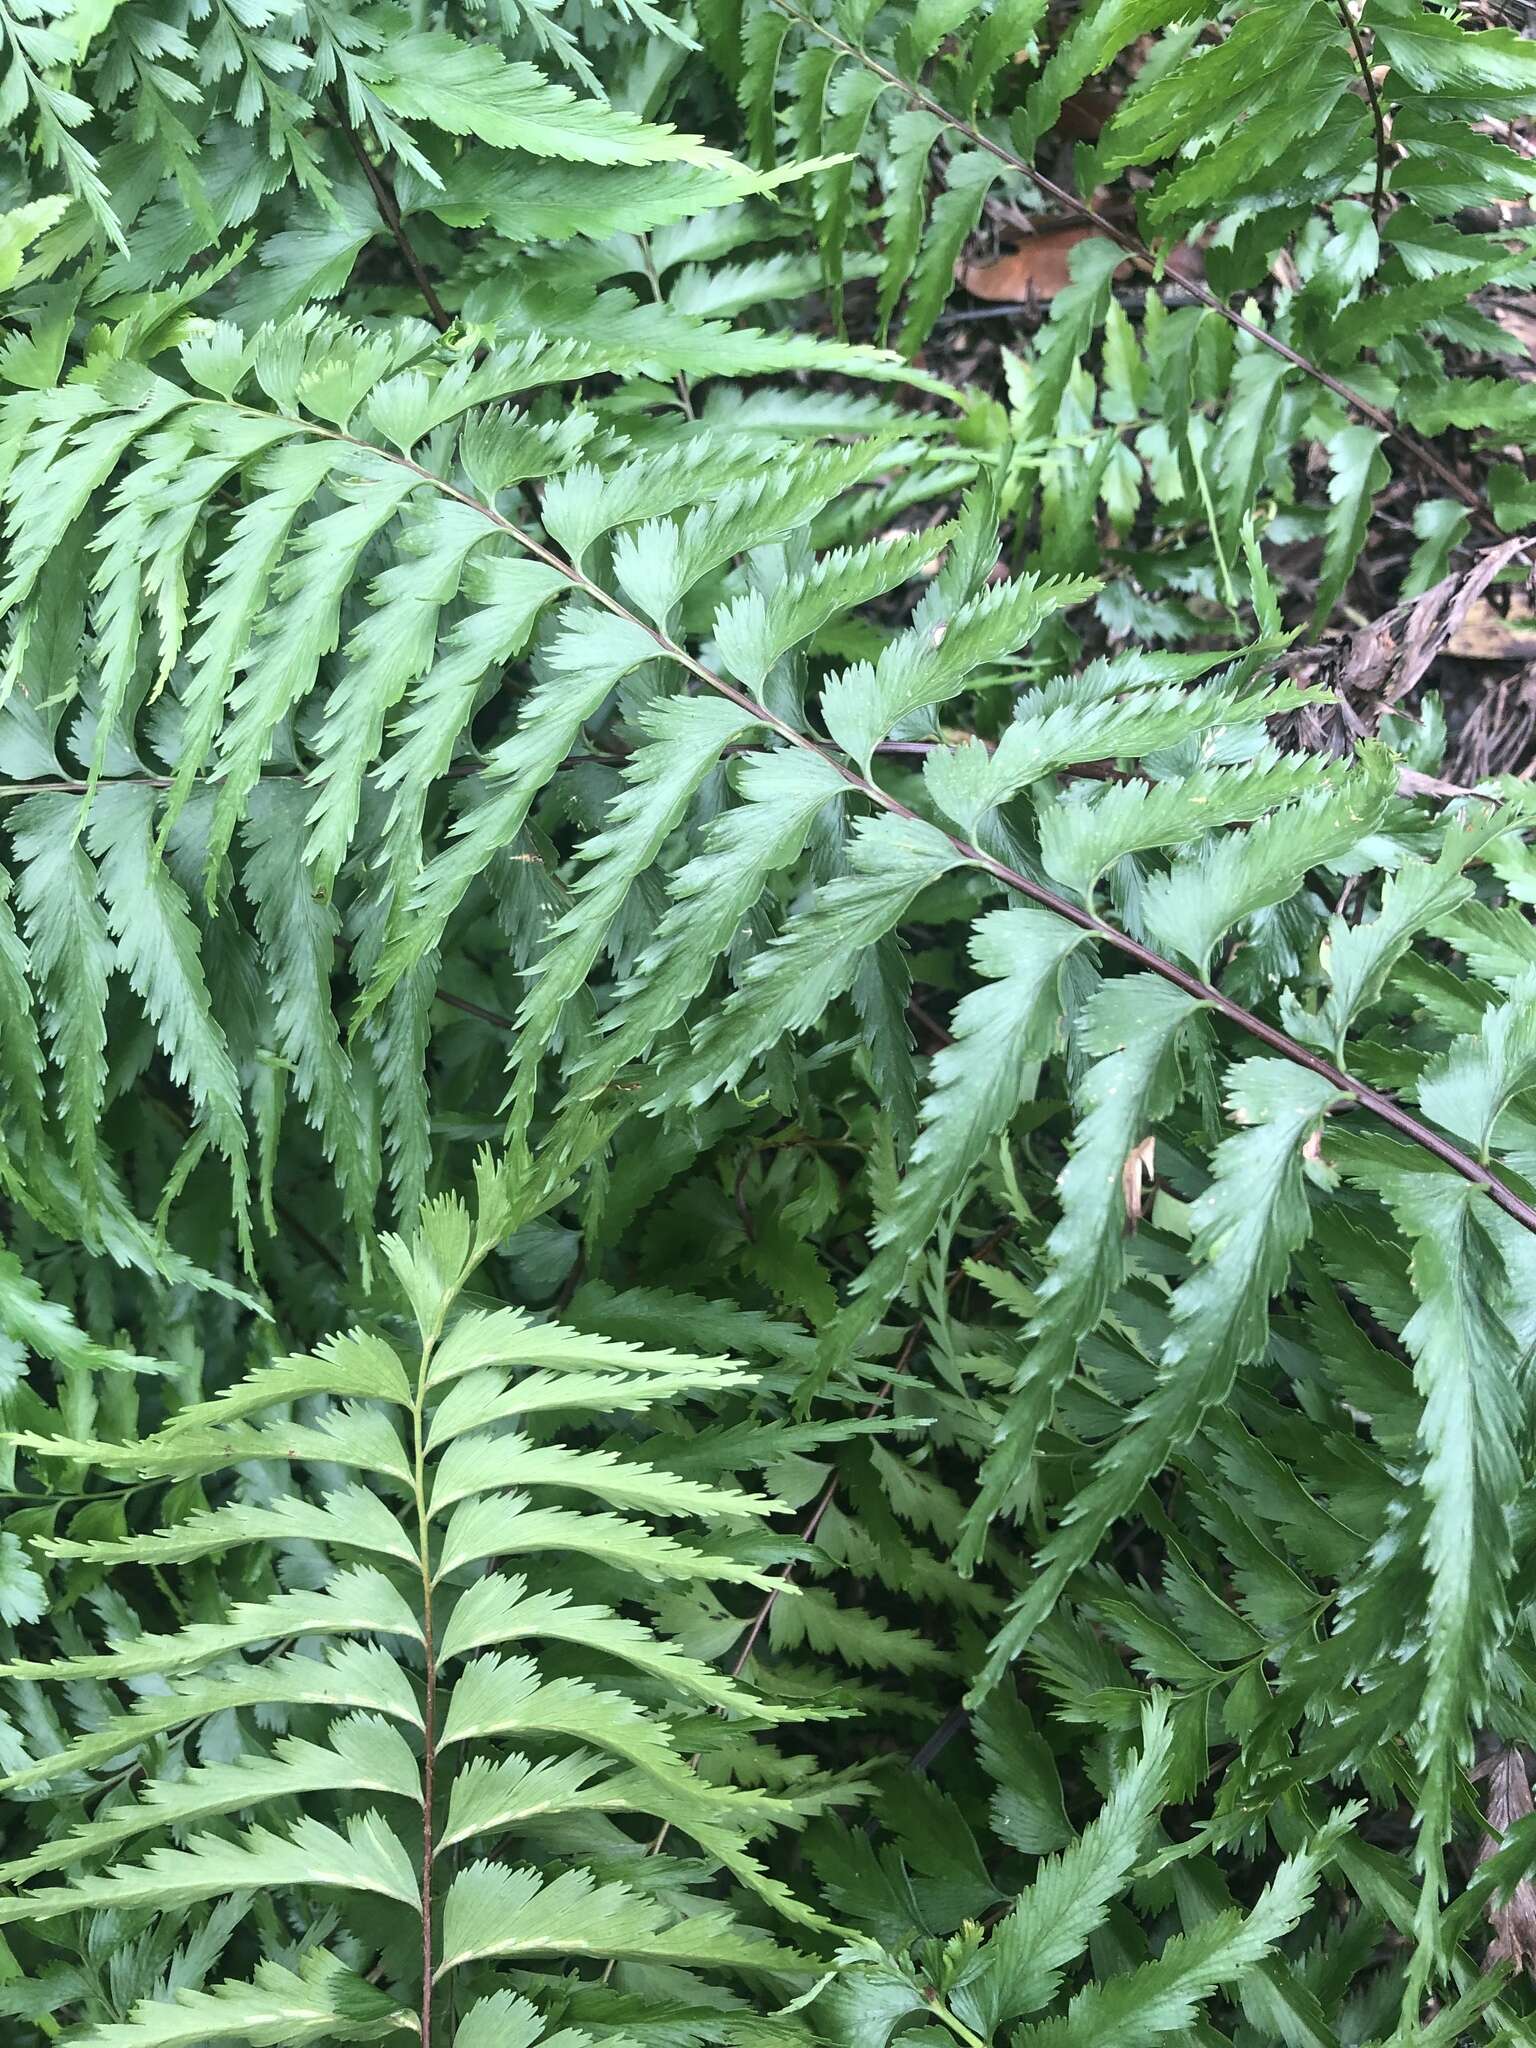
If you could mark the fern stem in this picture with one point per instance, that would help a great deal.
(389, 212)
(680, 382)
(429, 1731)
(491, 1017)
(1411, 782)
(1378, 111)
(1146, 259)
(429, 1696)
(1360, 1093)
(1383, 1106)
(958, 2028)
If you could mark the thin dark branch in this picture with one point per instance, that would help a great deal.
(954, 1723)
(957, 1720)
(1378, 111)
(476, 1010)
(389, 212)
(812, 1523)
(828, 1493)
(936, 1031)
(759, 1621)
(1146, 259)
(816, 1517)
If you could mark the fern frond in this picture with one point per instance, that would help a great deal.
(437, 1615)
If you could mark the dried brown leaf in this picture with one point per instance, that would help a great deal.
(1393, 656)
(1038, 268)
(1376, 668)
(1136, 1176)
(1499, 732)
(1508, 1800)
(1039, 265)
(1487, 635)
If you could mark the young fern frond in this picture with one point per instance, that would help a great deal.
(474, 1672)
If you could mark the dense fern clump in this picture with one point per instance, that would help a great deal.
(767, 1075)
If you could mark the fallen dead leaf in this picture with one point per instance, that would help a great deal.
(1497, 737)
(1136, 1177)
(1487, 635)
(1509, 1800)
(1372, 670)
(1037, 269)
(1039, 266)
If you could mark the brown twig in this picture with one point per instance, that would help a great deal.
(1378, 111)
(389, 212)
(815, 1518)
(764, 1614)
(957, 1719)
(936, 1031)
(492, 1017)
(1146, 259)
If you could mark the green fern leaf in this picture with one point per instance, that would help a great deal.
(1248, 1225)
(1134, 1026)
